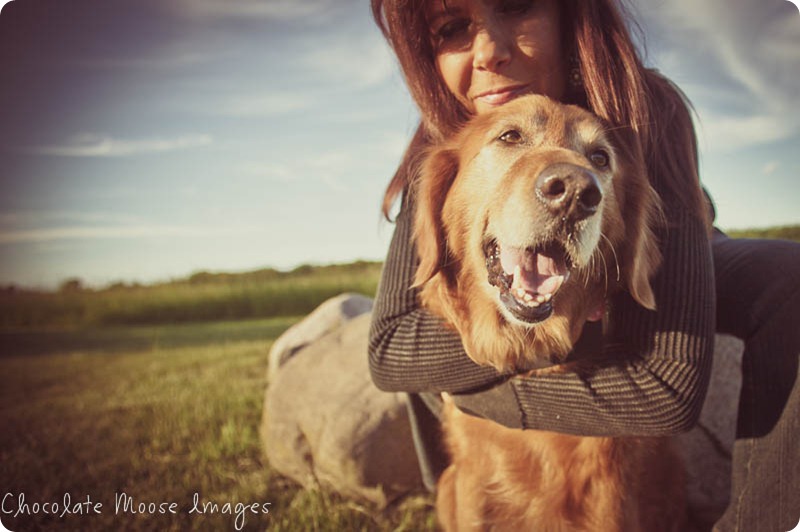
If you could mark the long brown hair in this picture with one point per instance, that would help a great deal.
(618, 88)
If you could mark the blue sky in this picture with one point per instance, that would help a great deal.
(143, 140)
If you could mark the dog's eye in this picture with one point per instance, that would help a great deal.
(599, 158)
(512, 136)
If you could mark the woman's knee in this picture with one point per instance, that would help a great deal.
(757, 281)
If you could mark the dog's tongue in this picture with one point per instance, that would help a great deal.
(540, 272)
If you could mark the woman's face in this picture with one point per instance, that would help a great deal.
(488, 52)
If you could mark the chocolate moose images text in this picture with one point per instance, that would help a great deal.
(16, 505)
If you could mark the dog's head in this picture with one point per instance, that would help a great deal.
(526, 221)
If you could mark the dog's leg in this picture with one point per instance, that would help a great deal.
(460, 503)
(446, 494)
(663, 492)
(446, 500)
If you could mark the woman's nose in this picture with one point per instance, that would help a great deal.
(491, 48)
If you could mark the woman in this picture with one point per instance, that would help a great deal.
(463, 57)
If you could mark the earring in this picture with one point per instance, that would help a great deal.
(575, 77)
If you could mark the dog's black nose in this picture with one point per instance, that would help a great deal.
(569, 191)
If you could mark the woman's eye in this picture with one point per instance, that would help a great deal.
(599, 158)
(451, 29)
(512, 136)
(514, 7)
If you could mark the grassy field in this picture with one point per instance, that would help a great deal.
(202, 297)
(785, 232)
(159, 413)
(156, 392)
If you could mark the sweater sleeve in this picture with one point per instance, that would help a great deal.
(649, 378)
(410, 349)
(652, 375)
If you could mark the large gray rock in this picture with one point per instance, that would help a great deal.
(707, 448)
(326, 424)
(330, 315)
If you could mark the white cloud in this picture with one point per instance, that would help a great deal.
(344, 65)
(730, 132)
(38, 226)
(54, 217)
(86, 232)
(326, 167)
(336, 168)
(742, 57)
(267, 104)
(269, 9)
(82, 232)
(770, 168)
(93, 145)
(273, 171)
(166, 59)
(357, 63)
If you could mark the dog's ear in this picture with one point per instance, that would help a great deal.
(438, 171)
(642, 214)
(644, 254)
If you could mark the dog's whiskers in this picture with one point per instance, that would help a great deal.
(528, 332)
(605, 272)
(614, 251)
(592, 268)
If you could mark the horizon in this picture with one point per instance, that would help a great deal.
(144, 141)
(78, 283)
(288, 270)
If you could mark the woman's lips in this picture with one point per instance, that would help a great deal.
(500, 96)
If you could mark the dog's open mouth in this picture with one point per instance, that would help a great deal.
(528, 278)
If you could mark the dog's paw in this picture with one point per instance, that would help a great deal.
(449, 406)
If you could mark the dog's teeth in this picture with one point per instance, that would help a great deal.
(517, 283)
(540, 298)
(548, 297)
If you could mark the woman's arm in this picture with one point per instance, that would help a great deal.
(650, 378)
(410, 349)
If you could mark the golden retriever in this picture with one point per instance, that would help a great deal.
(526, 221)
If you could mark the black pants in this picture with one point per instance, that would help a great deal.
(758, 301)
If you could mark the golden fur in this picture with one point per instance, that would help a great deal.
(484, 187)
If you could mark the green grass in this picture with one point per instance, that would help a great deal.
(159, 413)
(115, 339)
(786, 232)
(203, 297)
